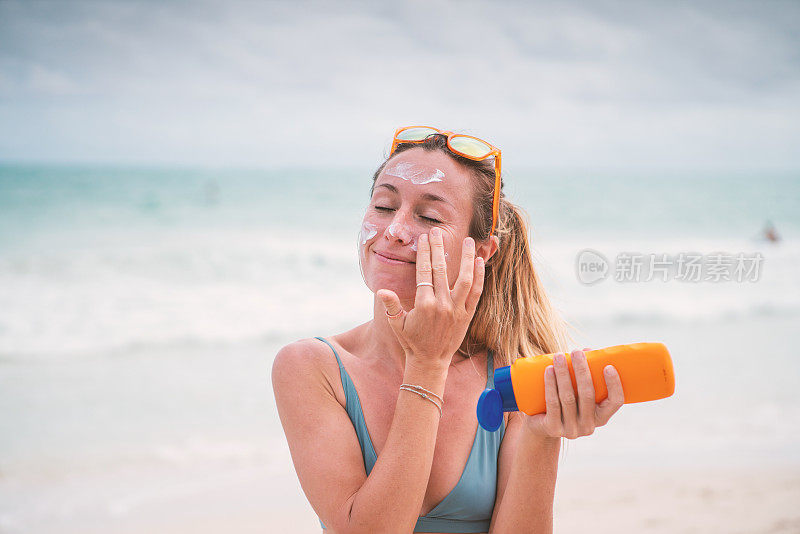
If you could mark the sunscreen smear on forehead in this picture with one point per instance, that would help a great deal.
(415, 173)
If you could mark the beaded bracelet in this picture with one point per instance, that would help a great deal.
(425, 396)
(429, 392)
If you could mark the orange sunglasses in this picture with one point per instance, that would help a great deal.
(463, 145)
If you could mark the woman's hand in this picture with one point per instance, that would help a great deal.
(568, 416)
(434, 329)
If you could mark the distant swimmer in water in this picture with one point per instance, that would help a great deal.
(770, 234)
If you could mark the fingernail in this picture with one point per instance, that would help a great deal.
(470, 244)
(435, 232)
(579, 356)
(609, 370)
(559, 359)
(480, 261)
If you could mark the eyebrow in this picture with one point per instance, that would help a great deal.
(426, 196)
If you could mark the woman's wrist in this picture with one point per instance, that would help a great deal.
(427, 374)
(532, 431)
(426, 364)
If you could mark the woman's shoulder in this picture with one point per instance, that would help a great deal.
(306, 362)
(318, 349)
(302, 356)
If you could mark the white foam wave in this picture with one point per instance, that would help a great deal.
(189, 288)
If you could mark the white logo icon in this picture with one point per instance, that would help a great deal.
(591, 267)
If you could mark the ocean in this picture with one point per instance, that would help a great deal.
(140, 310)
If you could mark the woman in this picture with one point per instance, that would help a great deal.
(381, 420)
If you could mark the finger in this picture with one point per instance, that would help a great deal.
(423, 268)
(569, 405)
(393, 307)
(477, 285)
(391, 302)
(552, 420)
(616, 397)
(466, 273)
(438, 264)
(586, 395)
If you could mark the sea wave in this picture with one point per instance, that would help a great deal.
(215, 286)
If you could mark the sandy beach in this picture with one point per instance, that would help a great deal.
(258, 500)
(654, 470)
(729, 500)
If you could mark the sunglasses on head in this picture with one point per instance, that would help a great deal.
(464, 145)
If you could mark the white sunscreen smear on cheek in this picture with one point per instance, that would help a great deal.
(399, 230)
(416, 174)
(414, 247)
(367, 232)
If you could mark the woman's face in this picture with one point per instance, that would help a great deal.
(416, 191)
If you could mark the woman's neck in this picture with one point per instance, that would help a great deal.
(381, 340)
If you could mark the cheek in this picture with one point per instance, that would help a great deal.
(368, 231)
(366, 235)
(374, 226)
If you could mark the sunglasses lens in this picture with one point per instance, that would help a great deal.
(415, 134)
(469, 146)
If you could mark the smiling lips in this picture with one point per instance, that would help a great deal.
(386, 257)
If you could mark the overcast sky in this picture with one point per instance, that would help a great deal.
(587, 84)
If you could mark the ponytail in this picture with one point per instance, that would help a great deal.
(514, 317)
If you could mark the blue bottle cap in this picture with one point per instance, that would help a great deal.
(502, 381)
(490, 410)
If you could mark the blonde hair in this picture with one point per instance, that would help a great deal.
(514, 317)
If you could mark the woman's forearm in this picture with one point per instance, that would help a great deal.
(391, 498)
(527, 502)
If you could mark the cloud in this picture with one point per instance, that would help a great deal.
(317, 83)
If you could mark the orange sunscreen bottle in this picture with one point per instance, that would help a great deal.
(645, 370)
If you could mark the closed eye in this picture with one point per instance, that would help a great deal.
(430, 219)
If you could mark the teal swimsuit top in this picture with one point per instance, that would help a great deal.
(468, 507)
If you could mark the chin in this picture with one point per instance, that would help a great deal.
(378, 275)
(404, 288)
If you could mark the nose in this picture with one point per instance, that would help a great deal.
(399, 230)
